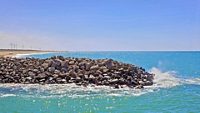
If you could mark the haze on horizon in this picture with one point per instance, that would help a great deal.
(103, 25)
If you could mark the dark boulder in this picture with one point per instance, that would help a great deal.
(82, 71)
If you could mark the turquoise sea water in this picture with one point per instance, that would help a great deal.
(176, 88)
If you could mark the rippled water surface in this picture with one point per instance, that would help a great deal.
(176, 88)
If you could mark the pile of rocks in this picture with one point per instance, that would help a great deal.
(82, 71)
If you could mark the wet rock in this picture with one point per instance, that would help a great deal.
(41, 75)
(64, 70)
(100, 77)
(114, 81)
(55, 75)
(67, 78)
(72, 73)
(108, 64)
(105, 70)
(60, 58)
(95, 67)
(45, 65)
(60, 80)
(50, 78)
(116, 86)
(35, 70)
(63, 80)
(57, 71)
(139, 87)
(56, 63)
(78, 79)
(121, 81)
(91, 77)
(51, 69)
(64, 64)
(141, 82)
(71, 62)
(42, 80)
(28, 78)
(30, 73)
(86, 76)
(107, 77)
(148, 83)
(87, 66)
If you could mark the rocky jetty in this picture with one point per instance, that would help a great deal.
(82, 71)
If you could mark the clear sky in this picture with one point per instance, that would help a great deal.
(89, 25)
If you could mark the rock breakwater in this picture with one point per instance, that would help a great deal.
(82, 71)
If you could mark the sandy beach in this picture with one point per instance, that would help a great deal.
(12, 52)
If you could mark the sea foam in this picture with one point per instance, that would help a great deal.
(162, 80)
(170, 79)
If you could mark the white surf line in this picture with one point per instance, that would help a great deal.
(29, 54)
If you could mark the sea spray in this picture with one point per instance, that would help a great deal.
(164, 79)
(170, 79)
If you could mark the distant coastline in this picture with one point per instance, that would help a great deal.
(21, 52)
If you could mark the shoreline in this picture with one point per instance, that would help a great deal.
(18, 52)
(28, 54)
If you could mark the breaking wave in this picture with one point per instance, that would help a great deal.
(170, 79)
(161, 80)
(165, 79)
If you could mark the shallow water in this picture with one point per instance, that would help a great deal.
(176, 88)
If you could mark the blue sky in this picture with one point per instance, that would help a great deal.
(90, 25)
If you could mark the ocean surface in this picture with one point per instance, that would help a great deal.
(176, 88)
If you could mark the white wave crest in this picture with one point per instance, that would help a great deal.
(170, 79)
(165, 79)
(194, 81)
(7, 95)
(69, 90)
